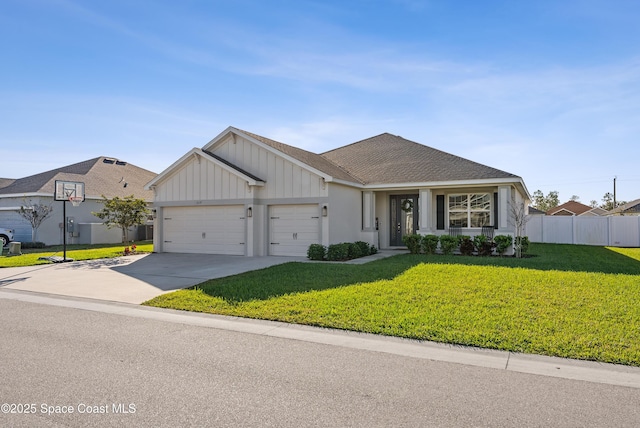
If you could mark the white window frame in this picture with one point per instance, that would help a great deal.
(468, 210)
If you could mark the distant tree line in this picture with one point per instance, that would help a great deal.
(551, 200)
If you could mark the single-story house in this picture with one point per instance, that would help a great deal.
(576, 208)
(101, 176)
(248, 195)
(630, 208)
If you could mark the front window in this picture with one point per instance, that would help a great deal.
(470, 210)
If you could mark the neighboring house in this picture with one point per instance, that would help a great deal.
(576, 208)
(535, 211)
(102, 176)
(248, 195)
(630, 208)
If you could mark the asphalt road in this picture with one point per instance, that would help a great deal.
(55, 360)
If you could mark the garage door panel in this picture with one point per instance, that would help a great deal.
(293, 228)
(208, 230)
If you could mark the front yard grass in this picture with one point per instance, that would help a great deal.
(568, 301)
(30, 257)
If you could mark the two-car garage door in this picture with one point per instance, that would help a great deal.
(207, 230)
(222, 229)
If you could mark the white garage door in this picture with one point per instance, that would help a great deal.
(207, 230)
(293, 228)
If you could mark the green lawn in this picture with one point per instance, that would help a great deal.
(30, 257)
(566, 300)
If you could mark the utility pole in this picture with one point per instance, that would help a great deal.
(614, 192)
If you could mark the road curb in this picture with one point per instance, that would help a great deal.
(588, 371)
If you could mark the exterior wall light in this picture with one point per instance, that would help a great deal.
(249, 212)
(324, 211)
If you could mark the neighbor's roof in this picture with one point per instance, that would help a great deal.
(572, 207)
(312, 159)
(101, 176)
(389, 159)
(633, 206)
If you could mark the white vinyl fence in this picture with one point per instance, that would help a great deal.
(614, 231)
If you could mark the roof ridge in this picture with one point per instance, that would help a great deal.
(360, 141)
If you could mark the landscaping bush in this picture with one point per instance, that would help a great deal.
(365, 248)
(355, 251)
(448, 244)
(503, 242)
(430, 244)
(412, 242)
(466, 245)
(317, 252)
(338, 252)
(484, 246)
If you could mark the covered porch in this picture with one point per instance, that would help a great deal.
(390, 214)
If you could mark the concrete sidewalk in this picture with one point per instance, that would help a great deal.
(602, 373)
(131, 279)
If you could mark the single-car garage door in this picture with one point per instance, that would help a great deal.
(207, 230)
(293, 228)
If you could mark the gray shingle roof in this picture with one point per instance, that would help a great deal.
(101, 176)
(389, 159)
(632, 207)
(4, 182)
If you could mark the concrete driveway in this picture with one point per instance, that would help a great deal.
(131, 279)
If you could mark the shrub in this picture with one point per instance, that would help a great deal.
(483, 245)
(412, 242)
(338, 252)
(354, 251)
(466, 245)
(317, 252)
(448, 244)
(373, 249)
(365, 249)
(503, 242)
(430, 244)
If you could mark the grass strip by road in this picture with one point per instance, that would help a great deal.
(568, 301)
(30, 257)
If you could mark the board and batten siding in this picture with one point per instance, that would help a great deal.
(283, 179)
(201, 179)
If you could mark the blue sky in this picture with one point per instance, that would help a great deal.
(548, 90)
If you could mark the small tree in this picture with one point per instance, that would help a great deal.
(35, 214)
(518, 219)
(123, 212)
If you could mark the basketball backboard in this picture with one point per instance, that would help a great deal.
(68, 189)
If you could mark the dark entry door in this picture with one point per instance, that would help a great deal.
(404, 217)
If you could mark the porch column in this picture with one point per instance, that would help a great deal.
(424, 221)
(368, 211)
(504, 199)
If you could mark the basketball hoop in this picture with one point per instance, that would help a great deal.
(75, 200)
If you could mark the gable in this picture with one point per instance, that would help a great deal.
(282, 175)
(197, 176)
(307, 160)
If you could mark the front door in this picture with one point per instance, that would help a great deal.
(404, 217)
